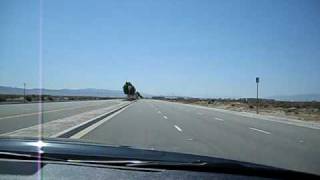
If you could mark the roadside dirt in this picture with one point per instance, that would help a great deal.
(307, 111)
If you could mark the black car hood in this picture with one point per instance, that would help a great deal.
(75, 149)
(71, 147)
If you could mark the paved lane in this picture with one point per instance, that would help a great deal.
(251, 139)
(175, 127)
(138, 126)
(17, 116)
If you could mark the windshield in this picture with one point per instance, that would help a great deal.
(236, 79)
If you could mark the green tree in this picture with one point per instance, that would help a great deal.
(28, 98)
(129, 89)
(2, 99)
(125, 88)
(132, 90)
(50, 98)
(138, 94)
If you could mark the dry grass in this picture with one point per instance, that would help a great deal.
(308, 111)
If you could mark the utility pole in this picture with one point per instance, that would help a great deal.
(257, 105)
(24, 92)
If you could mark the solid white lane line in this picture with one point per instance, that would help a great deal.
(165, 117)
(178, 128)
(219, 119)
(259, 130)
(92, 127)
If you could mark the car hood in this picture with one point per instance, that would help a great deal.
(78, 149)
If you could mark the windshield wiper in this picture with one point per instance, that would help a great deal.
(201, 166)
(127, 163)
(138, 163)
(27, 156)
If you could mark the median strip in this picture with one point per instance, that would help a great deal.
(88, 129)
(75, 129)
(59, 127)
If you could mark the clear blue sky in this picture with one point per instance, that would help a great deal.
(169, 47)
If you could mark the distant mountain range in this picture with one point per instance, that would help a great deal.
(299, 97)
(64, 92)
(119, 93)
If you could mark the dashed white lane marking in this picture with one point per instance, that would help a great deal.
(259, 130)
(159, 112)
(165, 117)
(178, 128)
(219, 119)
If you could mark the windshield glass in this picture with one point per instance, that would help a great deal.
(236, 79)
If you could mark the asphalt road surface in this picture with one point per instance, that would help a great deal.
(175, 127)
(18, 116)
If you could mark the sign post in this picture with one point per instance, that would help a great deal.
(257, 105)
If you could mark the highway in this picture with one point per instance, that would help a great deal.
(175, 127)
(178, 128)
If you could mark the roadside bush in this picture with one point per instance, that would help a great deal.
(28, 98)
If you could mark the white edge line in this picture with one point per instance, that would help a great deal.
(178, 128)
(92, 127)
(259, 130)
